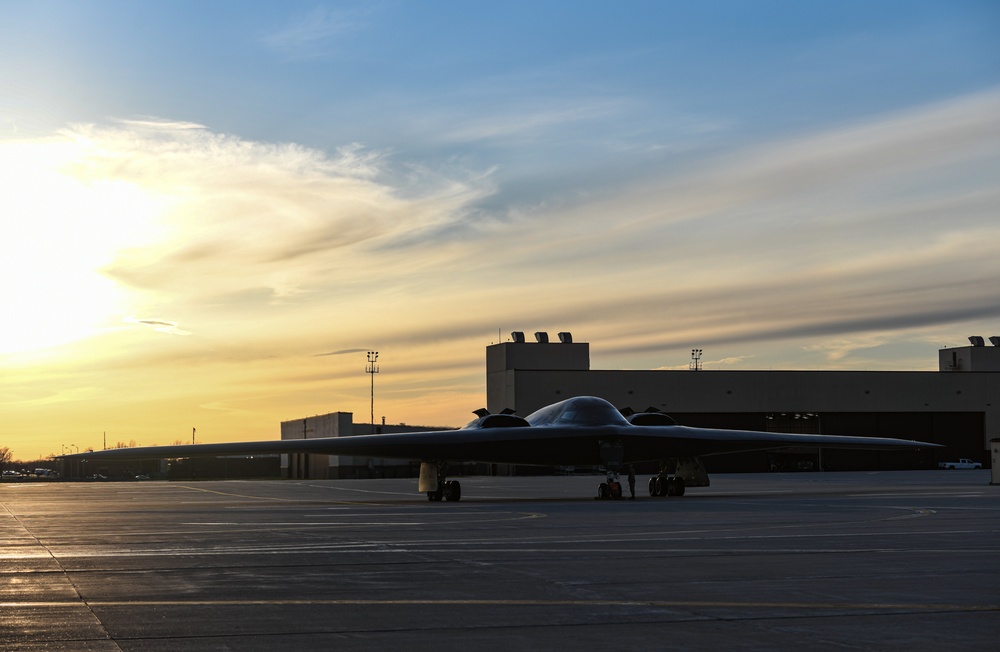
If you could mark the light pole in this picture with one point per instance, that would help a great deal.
(695, 359)
(372, 368)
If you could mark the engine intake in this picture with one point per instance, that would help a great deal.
(651, 419)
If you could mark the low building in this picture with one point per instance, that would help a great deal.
(341, 424)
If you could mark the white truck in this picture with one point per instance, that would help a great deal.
(960, 464)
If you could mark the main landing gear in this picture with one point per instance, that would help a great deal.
(659, 485)
(433, 482)
(449, 490)
(662, 486)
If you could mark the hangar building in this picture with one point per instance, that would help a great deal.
(958, 405)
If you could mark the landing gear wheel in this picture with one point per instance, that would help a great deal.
(604, 491)
(652, 487)
(436, 495)
(660, 486)
(616, 490)
(675, 486)
(452, 491)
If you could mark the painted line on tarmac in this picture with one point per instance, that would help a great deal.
(939, 494)
(408, 494)
(414, 519)
(236, 495)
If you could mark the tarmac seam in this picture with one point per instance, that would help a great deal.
(849, 606)
(69, 580)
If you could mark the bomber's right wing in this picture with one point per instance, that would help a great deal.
(650, 442)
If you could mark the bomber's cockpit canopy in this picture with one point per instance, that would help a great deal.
(579, 411)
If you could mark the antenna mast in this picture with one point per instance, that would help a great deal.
(372, 368)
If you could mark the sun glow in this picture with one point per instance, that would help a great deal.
(61, 226)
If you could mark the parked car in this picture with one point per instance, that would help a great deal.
(960, 464)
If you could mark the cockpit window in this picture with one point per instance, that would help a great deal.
(579, 411)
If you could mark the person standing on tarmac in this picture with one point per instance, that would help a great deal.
(631, 481)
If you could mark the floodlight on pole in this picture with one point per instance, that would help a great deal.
(695, 360)
(372, 368)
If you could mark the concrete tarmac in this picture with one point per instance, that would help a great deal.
(906, 560)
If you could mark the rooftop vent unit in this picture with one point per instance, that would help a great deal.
(543, 338)
(566, 338)
(977, 340)
(517, 336)
(995, 340)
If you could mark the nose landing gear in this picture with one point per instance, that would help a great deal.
(611, 489)
(612, 455)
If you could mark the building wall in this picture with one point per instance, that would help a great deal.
(309, 465)
(970, 358)
(341, 424)
(511, 356)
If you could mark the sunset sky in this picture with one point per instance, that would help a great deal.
(212, 210)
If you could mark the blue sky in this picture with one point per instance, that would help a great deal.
(237, 188)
